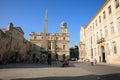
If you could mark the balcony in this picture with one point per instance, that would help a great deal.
(100, 40)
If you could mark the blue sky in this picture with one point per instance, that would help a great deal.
(29, 15)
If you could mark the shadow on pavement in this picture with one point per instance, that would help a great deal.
(115, 76)
(31, 65)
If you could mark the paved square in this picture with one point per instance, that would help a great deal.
(76, 71)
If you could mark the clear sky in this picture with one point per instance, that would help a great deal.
(29, 15)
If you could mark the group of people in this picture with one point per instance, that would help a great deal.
(65, 61)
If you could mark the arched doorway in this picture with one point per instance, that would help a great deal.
(34, 56)
(103, 54)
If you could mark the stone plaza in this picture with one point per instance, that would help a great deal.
(75, 71)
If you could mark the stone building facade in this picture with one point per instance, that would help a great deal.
(13, 46)
(57, 43)
(100, 38)
(53, 43)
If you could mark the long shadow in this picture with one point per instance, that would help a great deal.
(31, 65)
(115, 76)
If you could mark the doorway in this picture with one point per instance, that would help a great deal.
(34, 56)
(103, 54)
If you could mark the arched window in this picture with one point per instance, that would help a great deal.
(63, 38)
(99, 19)
(34, 37)
(117, 3)
(104, 15)
(56, 38)
(109, 9)
(63, 47)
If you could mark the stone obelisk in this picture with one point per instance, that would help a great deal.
(45, 41)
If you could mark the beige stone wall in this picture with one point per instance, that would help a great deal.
(12, 39)
(94, 34)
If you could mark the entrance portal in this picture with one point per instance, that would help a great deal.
(103, 54)
(34, 57)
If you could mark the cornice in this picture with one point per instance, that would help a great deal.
(106, 2)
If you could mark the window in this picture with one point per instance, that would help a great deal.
(34, 37)
(56, 46)
(51, 38)
(109, 9)
(90, 28)
(114, 47)
(63, 47)
(93, 25)
(101, 33)
(108, 48)
(95, 51)
(112, 28)
(41, 37)
(63, 38)
(99, 19)
(106, 31)
(56, 38)
(118, 23)
(117, 3)
(96, 22)
(104, 15)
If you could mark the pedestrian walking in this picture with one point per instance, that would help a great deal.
(65, 63)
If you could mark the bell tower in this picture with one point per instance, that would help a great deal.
(63, 27)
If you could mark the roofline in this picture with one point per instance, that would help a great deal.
(98, 11)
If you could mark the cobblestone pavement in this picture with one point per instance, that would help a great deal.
(76, 71)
